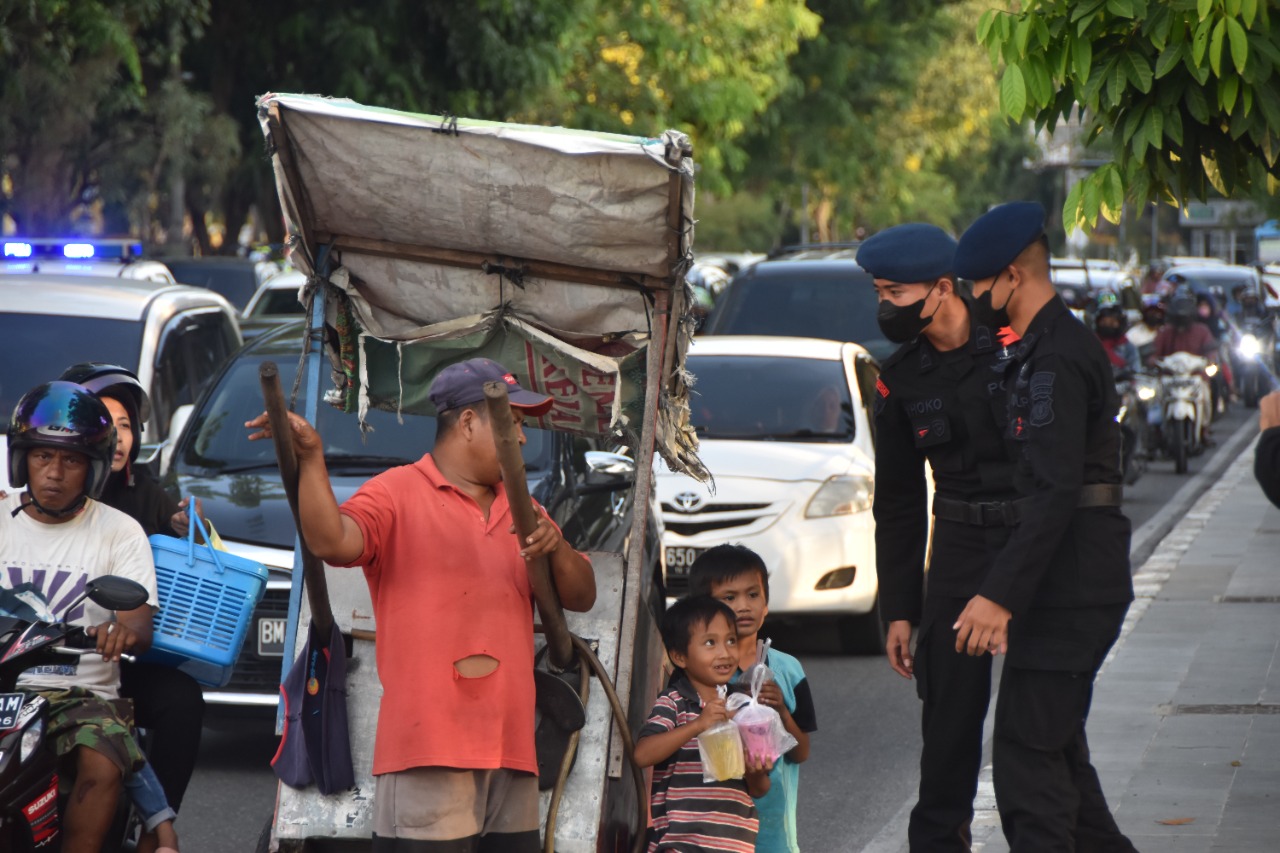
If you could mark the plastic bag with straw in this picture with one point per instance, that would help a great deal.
(721, 750)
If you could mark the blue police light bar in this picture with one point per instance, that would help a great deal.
(76, 249)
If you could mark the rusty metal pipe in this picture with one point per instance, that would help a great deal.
(559, 642)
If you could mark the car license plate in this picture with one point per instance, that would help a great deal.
(10, 705)
(680, 559)
(270, 638)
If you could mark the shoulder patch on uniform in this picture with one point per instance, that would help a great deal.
(881, 388)
(1041, 388)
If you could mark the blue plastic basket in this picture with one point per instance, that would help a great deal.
(207, 599)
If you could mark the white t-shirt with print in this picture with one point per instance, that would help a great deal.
(59, 559)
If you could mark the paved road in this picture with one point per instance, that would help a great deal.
(862, 771)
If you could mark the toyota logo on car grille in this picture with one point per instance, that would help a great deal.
(688, 501)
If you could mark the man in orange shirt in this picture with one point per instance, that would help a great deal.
(454, 755)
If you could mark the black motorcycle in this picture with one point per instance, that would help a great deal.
(1255, 359)
(29, 637)
(1134, 428)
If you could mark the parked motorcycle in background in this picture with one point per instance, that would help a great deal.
(1187, 406)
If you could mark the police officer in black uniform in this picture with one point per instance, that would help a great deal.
(1056, 595)
(938, 398)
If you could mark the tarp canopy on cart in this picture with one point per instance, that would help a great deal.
(557, 252)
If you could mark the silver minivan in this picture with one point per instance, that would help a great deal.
(173, 336)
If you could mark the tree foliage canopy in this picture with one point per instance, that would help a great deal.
(1188, 92)
(884, 109)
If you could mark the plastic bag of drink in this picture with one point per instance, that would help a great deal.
(764, 737)
(721, 750)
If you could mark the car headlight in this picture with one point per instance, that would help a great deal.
(31, 740)
(1211, 370)
(1146, 392)
(1249, 346)
(843, 494)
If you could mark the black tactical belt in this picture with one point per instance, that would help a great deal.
(1005, 513)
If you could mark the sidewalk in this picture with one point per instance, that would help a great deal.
(1185, 727)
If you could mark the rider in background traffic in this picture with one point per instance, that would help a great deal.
(1143, 335)
(1110, 324)
(1252, 307)
(1183, 332)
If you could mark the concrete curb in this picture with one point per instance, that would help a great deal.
(1145, 540)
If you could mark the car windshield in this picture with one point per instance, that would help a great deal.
(760, 398)
(234, 282)
(216, 441)
(795, 301)
(41, 346)
(278, 301)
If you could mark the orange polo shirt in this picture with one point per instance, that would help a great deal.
(446, 584)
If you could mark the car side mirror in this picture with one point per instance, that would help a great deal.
(177, 422)
(604, 467)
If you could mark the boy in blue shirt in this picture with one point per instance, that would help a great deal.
(737, 576)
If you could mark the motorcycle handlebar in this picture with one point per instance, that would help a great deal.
(67, 650)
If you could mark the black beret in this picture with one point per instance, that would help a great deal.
(997, 237)
(908, 254)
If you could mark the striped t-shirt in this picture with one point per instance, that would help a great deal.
(688, 813)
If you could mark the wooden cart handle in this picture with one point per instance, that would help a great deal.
(559, 642)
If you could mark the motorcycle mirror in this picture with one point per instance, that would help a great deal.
(116, 593)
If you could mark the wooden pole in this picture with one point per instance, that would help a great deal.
(559, 642)
(281, 435)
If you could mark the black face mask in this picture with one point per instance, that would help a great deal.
(902, 323)
(1108, 331)
(986, 314)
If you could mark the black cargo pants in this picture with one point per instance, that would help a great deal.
(956, 691)
(1047, 789)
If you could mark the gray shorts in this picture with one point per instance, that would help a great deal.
(444, 804)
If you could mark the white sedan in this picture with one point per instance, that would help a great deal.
(787, 431)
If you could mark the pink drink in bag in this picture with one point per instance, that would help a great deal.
(764, 737)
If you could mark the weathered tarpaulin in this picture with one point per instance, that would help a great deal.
(544, 247)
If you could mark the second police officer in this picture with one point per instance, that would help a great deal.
(938, 399)
(1056, 595)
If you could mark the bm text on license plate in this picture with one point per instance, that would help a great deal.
(271, 637)
(10, 705)
(679, 559)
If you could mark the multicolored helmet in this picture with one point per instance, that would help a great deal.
(66, 416)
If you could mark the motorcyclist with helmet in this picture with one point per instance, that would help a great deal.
(1110, 325)
(167, 702)
(1252, 307)
(1184, 332)
(57, 536)
(1143, 335)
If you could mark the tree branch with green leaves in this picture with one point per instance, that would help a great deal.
(1184, 92)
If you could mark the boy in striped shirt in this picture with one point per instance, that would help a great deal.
(688, 814)
(736, 575)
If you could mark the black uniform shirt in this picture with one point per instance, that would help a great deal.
(1062, 432)
(948, 408)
